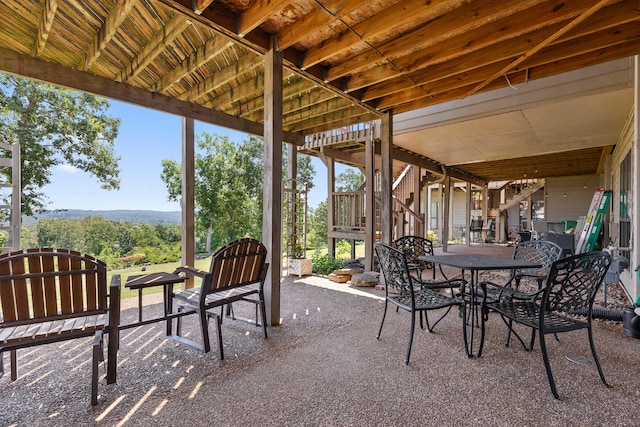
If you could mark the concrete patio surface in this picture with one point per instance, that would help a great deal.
(323, 366)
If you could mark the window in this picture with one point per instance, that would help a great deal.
(626, 205)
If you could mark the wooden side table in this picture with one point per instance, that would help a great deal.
(142, 281)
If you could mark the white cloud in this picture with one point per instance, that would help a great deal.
(66, 168)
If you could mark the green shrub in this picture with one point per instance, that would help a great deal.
(325, 264)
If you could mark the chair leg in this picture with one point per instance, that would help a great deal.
(264, 315)
(413, 327)
(384, 313)
(1, 364)
(547, 365)
(14, 364)
(204, 325)
(430, 328)
(97, 351)
(112, 354)
(595, 357)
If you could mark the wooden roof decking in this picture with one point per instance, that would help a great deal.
(347, 61)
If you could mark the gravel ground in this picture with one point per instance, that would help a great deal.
(324, 367)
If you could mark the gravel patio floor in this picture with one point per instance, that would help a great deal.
(324, 367)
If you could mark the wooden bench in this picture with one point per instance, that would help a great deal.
(237, 273)
(51, 295)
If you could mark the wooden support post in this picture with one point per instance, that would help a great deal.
(188, 196)
(446, 213)
(370, 204)
(331, 206)
(418, 227)
(386, 150)
(467, 207)
(272, 196)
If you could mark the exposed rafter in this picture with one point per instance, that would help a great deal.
(158, 43)
(44, 26)
(111, 24)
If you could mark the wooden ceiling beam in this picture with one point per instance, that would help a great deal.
(428, 164)
(291, 105)
(552, 68)
(549, 40)
(378, 25)
(334, 120)
(205, 53)
(463, 20)
(49, 9)
(238, 95)
(345, 112)
(259, 12)
(108, 29)
(242, 65)
(323, 15)
(247, 97)
(514, 32)
(158, 43)
(199, 5)
(476, 63)
(316, 110)
(26, 66)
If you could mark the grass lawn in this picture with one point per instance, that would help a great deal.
(202, 264)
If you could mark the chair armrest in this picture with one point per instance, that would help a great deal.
(114, 301)
(496, 291)
(113, 328)
(191, 270)
(451, 284)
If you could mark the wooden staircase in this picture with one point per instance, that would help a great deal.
(520, 190)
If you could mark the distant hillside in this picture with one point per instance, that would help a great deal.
(135, 217)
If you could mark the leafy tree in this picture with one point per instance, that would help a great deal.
(318, 217)
(56, 126)
(60, 233)
(349, 180)
(228, 188)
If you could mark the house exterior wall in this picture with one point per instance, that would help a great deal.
(569, 197)
(625, 147)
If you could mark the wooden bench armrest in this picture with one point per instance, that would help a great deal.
(191, 270)
(114, 322)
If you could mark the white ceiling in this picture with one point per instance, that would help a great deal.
(582, 109)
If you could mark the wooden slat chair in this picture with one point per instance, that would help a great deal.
(237, 273)
(52, 295)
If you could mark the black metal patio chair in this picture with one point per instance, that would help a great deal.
(401, 291)
(413, 248)
(537, 252)
(560, 305)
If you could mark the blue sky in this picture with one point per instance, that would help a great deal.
(146, 137)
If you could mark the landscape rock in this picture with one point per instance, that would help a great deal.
(366, 280)
(339, 278)
(349, 271)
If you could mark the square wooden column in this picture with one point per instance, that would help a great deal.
(272, 196)
(446, 212)
(188, 196)
(370, 204)
(331, 207)
(386, 150)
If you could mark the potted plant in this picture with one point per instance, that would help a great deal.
(298, 263)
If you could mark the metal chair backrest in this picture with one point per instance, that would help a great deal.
(538, 252)
(573, 283)
(239, 263)
(394, 269)
(414, 247)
